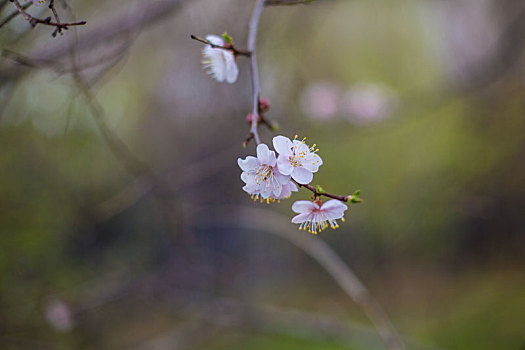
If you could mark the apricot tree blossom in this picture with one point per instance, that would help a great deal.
(316, 216)
(297, 159)
(219, 62)
(262, 176)
(268, 177)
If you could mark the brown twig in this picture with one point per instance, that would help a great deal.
(13, 14)
(329, 195)
(252, 37)
(47, 21)
(228, 47)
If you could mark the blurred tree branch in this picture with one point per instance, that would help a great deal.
(506, 55)
(270, 222)
(13, 14)
(47, 21)
(99, 33)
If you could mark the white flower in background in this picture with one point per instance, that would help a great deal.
(316, 216)
(59, 315)
(262, 176)
(219, 63)
(321, 100)
(368, 103)
(296, 159)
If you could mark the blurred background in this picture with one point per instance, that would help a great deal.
(120, 196)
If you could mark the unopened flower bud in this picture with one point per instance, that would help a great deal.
(264, 105)
(249, 118)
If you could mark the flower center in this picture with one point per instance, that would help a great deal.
(264, 173)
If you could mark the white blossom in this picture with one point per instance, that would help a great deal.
(287, 190)
(316, 216)
(296, 159)
(40, 2)
(219, 63)
(262, 177)
(59, 315)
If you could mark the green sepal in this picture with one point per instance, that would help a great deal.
(227, 38)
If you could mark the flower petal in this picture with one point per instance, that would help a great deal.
(246, 178)
(300, 147)
(304, 207)
(334, 208)
(215, 40)
(282, 145)
(284, 165)
(287, 190)
(214, 63)
(283, 179)
(299, 219)
(265, 156)
(302, 175)
(248, 164)
(232, 71)
(312, 162)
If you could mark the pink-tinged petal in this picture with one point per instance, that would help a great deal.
(251, 189)
(312, 162)
(264, 155)
(299, 147)
(282, 145)
(246, 178)
(304, 207)
(265, 190)
(215, 40)
(299, 219)
(232, 71)
(334, 208)
(277, 189)
(302, 175)
(292, 187)
(248, 164)
(287, 190)
(284, 165)
(283, 179)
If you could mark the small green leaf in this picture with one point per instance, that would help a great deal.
(227, 38)
(319, 189)
(356, 193)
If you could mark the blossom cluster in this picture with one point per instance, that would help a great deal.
(271, 177)
(275, 175)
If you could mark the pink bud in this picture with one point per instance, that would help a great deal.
(264, 104)
(249, 118)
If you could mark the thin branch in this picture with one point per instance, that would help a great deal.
(260, 219)
(149, 13)
(252, 37)
(132, 164)
(47, 21)
(230, 47)
(13, 14)
(325, 194)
